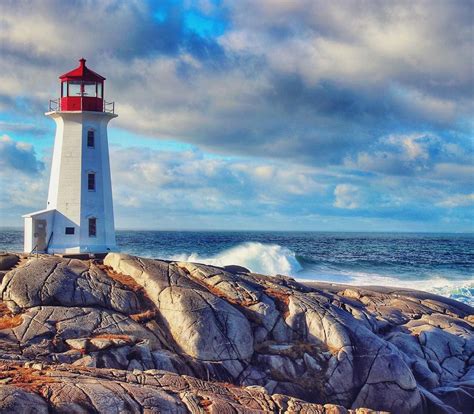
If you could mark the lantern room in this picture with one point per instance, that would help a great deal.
(82, 90)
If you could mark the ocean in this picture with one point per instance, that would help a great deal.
(437, 263)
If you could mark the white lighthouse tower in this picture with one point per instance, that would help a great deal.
(79, 215)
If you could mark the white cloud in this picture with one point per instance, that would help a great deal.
(347, 196)
(457, 200)
(188, 180)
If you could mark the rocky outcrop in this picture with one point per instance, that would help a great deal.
(159, 336)
(36, 388)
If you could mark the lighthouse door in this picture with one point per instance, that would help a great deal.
(40, 234)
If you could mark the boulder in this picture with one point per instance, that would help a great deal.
(8, 260)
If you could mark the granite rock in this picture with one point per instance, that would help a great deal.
(143, 335)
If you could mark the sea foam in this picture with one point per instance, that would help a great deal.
(268, 259)
(272, 259)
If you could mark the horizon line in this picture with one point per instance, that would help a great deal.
(12, 228)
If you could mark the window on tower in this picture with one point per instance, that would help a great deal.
(69, 230)
(74, 88)
(89, 89)
(91, 181)
(92, 227)
(90, 139)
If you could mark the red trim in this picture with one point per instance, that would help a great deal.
(82, 103)
(82, 72)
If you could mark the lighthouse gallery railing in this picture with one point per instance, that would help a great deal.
(55, 105)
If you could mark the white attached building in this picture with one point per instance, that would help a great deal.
(79, 216)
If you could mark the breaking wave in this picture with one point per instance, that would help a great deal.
(268, 259)
(272, 259)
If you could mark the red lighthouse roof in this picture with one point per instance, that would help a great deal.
(82, 72)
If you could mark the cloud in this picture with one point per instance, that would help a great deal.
(347, 196)
(173, 181)
(23, 178)
(21, 127)
(294, 107)
(18, 156)
(457, 200)
(416, 154)
(311, 82)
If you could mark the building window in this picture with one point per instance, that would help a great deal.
(69, 230)
(90, 139)
(91, 181)
(92, 227)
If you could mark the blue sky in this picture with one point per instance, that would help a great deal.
(276, 115)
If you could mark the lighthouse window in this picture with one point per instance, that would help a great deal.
(91, 181)
(69, 230)
(74, 88)
(90, 139)
(92, 227)
(89, 89)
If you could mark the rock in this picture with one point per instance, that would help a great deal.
(75, 389)
(65, 282)
(86, 361)
(79, 343)
(8, 260)
(460, 397)
(60, 323)
(236, 269)
(107, 342)
(204, 326)
(143, 335)
(15, 400)
(311, 362)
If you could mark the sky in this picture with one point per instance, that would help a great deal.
(253, 114)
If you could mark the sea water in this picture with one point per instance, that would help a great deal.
(438, 263)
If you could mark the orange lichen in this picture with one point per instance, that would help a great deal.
(112, 336)
(4, 309)
(7, 320)
(125, 280)
(144, 317)
(26, 378)
(130, 283)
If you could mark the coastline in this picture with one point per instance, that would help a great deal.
(298, 346)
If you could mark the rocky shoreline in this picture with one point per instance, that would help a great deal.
(128, 334)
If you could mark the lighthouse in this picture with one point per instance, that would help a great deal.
(79, 214)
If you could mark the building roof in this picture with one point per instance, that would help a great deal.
(39, 213)
(82, 72)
